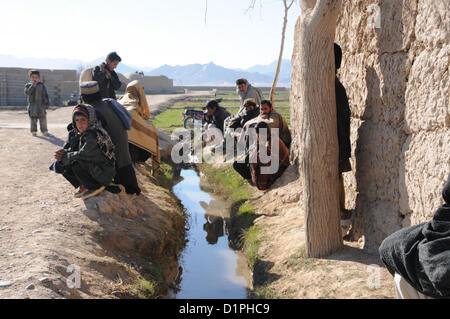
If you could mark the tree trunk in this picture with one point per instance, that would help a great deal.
(313, 105)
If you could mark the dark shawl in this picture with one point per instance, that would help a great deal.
(112, 123)
(421, 253)
(249, 115)
(219, 117)
(343, 121)
(343, 117)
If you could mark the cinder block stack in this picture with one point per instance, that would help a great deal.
(3, 89)
(69, 88)
(16, 79)
(53, 81)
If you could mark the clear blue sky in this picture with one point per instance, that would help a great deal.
(147, 33)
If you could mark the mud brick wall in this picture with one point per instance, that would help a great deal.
(395, 69)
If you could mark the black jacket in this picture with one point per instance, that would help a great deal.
(249, 115)
(343, 121)
(107, 86)
(113, 125)
(421, 253)
(73, 140)
(219, 117)
(239, 120)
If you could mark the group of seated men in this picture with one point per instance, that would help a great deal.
(251, 127)
(255, 110)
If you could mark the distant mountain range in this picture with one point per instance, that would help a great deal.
(192, 74)
(212, 74)
(269, 69)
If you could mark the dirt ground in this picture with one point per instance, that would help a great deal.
(44, 230)
(284, 271)
(46, 235)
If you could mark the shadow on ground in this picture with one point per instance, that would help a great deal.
(53, 139)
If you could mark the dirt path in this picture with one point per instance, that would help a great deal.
(43, 228)
(283, 269)
(159, 103)
(57, 116)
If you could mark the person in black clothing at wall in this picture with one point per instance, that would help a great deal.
(343, 125)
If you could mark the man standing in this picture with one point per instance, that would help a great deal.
(38, 103)
(107, 78)
(343, 125)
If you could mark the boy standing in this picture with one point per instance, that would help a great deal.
(38, 103)
(107, 78)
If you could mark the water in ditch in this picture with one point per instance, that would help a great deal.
(209, 268)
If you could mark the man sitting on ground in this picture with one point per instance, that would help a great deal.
(215, 115)
(419, 256)
(88, 160)
(250, 112)
(237, 122)
(115, 122)
(275, 120)
(252, 168)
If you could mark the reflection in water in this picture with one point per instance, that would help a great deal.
(214, 228)
(210, 267)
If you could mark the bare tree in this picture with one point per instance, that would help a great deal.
(251, 6)
(280, 58)
(287, 5)
(206, 10)
(313, 108)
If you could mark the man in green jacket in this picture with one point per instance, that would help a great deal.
(117, 130)
(88, 160)
(38, 103)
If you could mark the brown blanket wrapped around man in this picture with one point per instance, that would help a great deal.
(143, 136)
